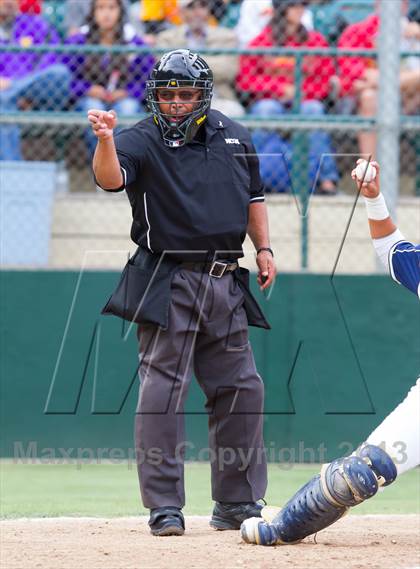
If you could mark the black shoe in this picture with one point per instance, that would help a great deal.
(166, 521)
(230, 516)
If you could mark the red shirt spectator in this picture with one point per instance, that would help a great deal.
(30, 6)
(266, 76)
(361, 35)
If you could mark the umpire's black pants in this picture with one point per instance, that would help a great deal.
(207, 334)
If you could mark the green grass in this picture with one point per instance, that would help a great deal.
(40, 490)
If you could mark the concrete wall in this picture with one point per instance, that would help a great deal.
(341, 354)
(93, 231)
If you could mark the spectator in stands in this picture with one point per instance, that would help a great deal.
(27, 79)
(133, 13)
(196, 34)
(269, 82)
(103, 80)
(359, 76)
(77, 11)
(157, 16)
(30, 7)
(228, 13)
(255, 16)
(218, 8)
(160, 15)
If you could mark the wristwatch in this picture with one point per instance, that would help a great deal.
(265, 249)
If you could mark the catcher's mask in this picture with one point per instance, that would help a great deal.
(180, 68)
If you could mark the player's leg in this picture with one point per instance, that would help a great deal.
(399, 432)
(273, 151)
(343, 483)
(225, 368)
(276, 163)
(127, 106)
(47, 89)
(165, 373)
(322, 166)
(10, 148)
(348, 481)
(10, 134)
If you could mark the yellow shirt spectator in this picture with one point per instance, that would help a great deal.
(159, 10)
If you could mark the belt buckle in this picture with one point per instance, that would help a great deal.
(218, 269)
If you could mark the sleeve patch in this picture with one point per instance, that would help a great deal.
(404, 264)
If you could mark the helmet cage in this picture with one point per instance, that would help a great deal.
(179, 134)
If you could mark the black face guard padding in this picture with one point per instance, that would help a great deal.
(177, 133)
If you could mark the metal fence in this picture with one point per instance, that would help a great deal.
(307, 140)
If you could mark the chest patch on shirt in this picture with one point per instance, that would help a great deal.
(232, 141)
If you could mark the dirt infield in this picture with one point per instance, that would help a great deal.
(362, 542)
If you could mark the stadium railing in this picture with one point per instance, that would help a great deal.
(60, 124)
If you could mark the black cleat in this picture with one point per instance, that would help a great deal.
(166, 521)
(230, 516)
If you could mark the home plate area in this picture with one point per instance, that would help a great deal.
(362, 542)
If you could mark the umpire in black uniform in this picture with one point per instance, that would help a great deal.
(192, 178)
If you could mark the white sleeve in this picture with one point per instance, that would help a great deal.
(253, 17)
(384, 245)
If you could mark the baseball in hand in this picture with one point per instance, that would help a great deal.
(365, 172)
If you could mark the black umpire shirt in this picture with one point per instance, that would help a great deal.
(192, 200)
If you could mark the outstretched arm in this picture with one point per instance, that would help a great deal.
(383, 231)
(106, 165)
(400, 256)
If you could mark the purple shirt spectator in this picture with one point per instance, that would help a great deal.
(100, 69)
(38, 78)
(27, 30)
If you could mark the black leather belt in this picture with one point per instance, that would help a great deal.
(216, 269)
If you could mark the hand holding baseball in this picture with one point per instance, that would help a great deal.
(366, 176)
(102, 123)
